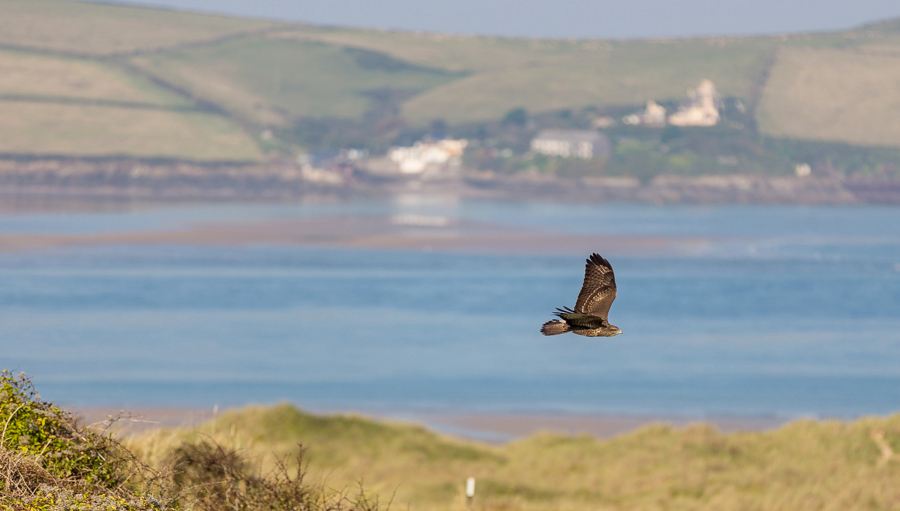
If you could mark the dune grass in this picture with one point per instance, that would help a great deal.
(805, 465)
(106, 28)
(278, 457)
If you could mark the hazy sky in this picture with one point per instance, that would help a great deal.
(564, 18)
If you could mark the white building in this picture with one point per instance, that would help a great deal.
(571, 143)
(419, 157)
(701, 107)
(654, 114)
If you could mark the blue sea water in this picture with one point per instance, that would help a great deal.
(777, 310)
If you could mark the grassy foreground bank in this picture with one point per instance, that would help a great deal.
(803, 465)
(249, 459)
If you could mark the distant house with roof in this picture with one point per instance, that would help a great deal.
(571, 143)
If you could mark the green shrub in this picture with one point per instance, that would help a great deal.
(52, 437)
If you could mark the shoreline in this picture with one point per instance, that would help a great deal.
(134, 180)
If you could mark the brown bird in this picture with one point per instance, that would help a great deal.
(590, 316)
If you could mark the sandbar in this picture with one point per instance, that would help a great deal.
(362, 233)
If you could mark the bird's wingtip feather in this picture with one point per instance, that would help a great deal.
(598, 260)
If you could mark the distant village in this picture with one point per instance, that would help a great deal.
(434, 158)
(514, 157)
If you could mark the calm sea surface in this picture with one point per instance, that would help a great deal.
(780, 311)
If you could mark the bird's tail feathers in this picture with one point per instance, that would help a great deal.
(555, 327)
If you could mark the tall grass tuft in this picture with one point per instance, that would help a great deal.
(210, 477)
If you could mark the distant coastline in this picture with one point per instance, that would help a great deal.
(194, 181)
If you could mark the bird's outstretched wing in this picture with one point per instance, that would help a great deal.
(599, 288)
(579, 319)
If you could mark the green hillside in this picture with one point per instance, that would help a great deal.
(62, 95)
(103, 29)
(545, 75)
(846, 95)
(806, 465)
(28, 76)
(96, 80)
(625, 77)
(273, 80)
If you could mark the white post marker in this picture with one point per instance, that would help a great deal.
(470, 489)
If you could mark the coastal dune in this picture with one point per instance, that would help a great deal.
(803, 465)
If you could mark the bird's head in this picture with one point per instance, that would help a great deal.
(615, 330)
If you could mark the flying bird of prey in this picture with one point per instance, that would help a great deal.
(591, 313)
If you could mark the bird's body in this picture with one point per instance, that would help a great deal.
(590, 315)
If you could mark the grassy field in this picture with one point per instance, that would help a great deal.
(274, 80)
(545, 75)
(102, 29)
(57, 98)
(94, 130)
(836, 95)
(454, 53)
(620, 77)
(47, 77)
(805, 465)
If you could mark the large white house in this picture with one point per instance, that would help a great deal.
(571, 143)
(419, 157)
(701, 107)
